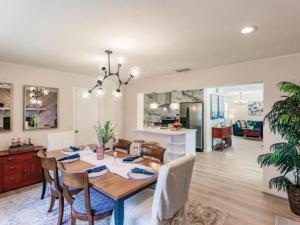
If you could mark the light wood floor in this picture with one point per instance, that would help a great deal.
(232, 181)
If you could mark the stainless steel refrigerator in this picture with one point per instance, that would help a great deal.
(191, 117)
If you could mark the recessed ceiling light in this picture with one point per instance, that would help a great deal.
(247, 30)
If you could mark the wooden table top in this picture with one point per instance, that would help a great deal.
(111, 184)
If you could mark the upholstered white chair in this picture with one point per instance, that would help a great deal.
(161, 206)
(60, 140)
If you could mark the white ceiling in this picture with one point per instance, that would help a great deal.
(159, 36)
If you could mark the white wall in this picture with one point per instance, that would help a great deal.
(20, 75)
(240, 112)
(268, 71)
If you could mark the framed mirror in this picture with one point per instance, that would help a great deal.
(5, 107)
(40, 107)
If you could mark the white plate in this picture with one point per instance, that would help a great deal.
(97, 174)
(141, 176)
(69, 150)
(69, 160)
(141, 159)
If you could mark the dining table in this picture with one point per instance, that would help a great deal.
(113, 184)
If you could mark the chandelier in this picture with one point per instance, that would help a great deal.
(98, 87)
(241, 101)
(36, 94)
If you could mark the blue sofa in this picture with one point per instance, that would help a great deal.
(238, 129)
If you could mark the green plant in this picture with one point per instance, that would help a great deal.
(34, 119)
(284, 119)
(105, 132)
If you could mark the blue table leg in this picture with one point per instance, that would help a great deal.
(119, 212)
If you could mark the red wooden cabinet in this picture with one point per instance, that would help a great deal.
(223, 133)
(19, 168)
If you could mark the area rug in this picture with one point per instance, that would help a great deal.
(24, 207)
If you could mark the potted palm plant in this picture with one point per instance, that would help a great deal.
(105, 133)
(284, 119)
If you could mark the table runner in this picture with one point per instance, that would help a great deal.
(115, 166)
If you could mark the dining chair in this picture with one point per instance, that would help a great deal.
(58, 140)
(153, 151)
(151, 143)
(89, 205)
(122, 145)
(92, 147)
(167, 202)
(54, 181)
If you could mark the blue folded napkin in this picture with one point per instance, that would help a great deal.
(97, 169)
(75, 156)
(74, 148)
(130, 158)
(140, 170)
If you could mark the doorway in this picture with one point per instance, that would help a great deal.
(87, 112)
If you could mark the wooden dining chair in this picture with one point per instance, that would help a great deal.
(89, 205)
(53, 179)
(123, 145)
(153, 151)
(92, 147)
(58, 140)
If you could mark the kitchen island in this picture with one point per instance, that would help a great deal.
(178, 143)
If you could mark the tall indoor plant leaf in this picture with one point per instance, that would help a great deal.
(105, 133)
(284, 119)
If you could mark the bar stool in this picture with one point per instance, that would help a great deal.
(136, 147)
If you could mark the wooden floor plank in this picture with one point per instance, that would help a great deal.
(232, 181)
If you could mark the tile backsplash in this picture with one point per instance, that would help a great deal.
(165, 99)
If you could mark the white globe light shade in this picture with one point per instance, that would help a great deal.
(45, 91)
(39, 102)
(117, 93)
(153, 105)
(174, 105)
(247, 30)
(135, 71)
(100, 92)
(85, 94)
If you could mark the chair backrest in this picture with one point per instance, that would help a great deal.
(60, 140)
(92, 147)
(78, 180)
(123, 144)
(172, 189)
(49, 166)
(153, 151)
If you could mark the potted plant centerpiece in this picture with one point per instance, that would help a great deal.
(284, 119)
(105, 133)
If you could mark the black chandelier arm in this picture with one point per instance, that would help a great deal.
(94, 87)
(118, 69)
(126, 82)
(37, 93)
(108, 59)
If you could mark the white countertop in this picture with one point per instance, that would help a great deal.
(165, 131)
